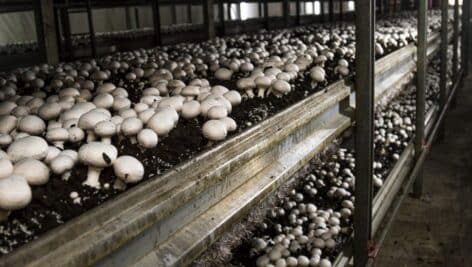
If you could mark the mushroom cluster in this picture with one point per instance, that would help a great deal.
(307, 226)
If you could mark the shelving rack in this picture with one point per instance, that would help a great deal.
(55, 44)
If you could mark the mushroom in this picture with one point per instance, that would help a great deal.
(88, 121)
(76, 134)
(217, 112)
(62, 165)
(317, 75)
(105, 129)
(6, 168)
(147, 138)
(32, 125)
(162, 122)
(246, 85)
(7, 123)
(190, 109)
(129, 170)
(280, 87)
(190, 92)
(58, 136)
(262, 83)
(35, 171)
(223, 74)
(130, 128)
(97, 156)
(214, 130)
(27, 147)
(234, 97)
(15, 193)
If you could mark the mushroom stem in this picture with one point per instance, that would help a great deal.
(133, 140)
(93, 176)
(90, 136)
(313, 84)
(66, 176)
(250, 93)
(106, 140)
(260, 92)
(4, 215)
(119, 184)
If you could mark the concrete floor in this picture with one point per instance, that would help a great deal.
(436, 230)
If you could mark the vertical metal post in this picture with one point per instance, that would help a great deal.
(297, 10)
(48, 25)
(365, 25)
(156, 19)
(455, 55)
(443, 55)
(38, 21)
(266, 14)
(208, 19)
(229, 10)
(286, 11)
(322, 11)
(189, 13)
(136, 17)
(173, 14)
(128, 18)
(238, 10)
(420, 91)
(65, 22)
(93, 42)
(465, 35)
(259, 9)
(331, 10)
(221, 16)
(341, 9)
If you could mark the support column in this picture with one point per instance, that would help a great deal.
(266, 14)
(221, 16)
(365, 25)
(93, 41)
(443, 72)
(156, 19)
(286, 12)
(298, 10)
(421, 64)
(49, 32)
(208, 19)
(455, 55)
(465, 35)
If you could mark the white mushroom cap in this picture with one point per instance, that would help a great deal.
(161, 123)
(49, 111)
(32, 124)
(145, 115)
(57, 136)
(7, 123)
(51, 154)
(90, 119)
(15, 193)
(121, 103)
(217, 112)
(61, 164)
(103, 100)
(70, 153)
(76, 134)
(175, 102)
(28, 147)
(219, 90)
(282, 87)
(147, 138)
(97, 156)
(223, 74)
(131, 126)
(128, 169)
(140, 107)
(5, 140)
(190, 109)
(214, 130)
(230, 124)
(35, 171)
(190, 92)
(105, 129)
(6, 168)
(106, 88)
(234, 97)
(6, 107)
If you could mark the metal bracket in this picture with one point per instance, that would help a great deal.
(346, 109)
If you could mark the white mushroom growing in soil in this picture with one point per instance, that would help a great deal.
(15, 194)
(129, 170)
(96, 156)
(317, 75)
